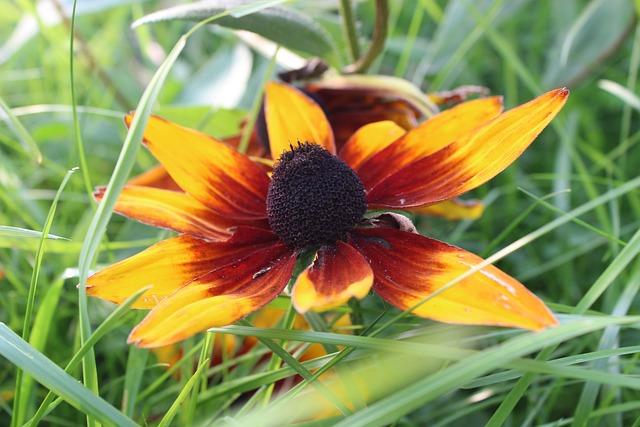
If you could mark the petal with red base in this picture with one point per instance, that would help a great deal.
(169, 209)
(409, 267)
(172, 263)
(218, 298)
(470, 161)
(429, 137)
(369, 140)
(212, 172)
(291, 117)
(338, 273)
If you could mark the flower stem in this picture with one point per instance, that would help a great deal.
(377, 41)
(349, 29)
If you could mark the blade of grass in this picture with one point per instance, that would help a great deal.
(50, 375)
(559, 367)
(109, 323)
(171, 413)
(20, 400)
(303, 372)
(8, 231)
(578, 221)
(136, 364)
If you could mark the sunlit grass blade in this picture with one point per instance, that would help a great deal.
(34, 363)
(13, 232)
(559, 368)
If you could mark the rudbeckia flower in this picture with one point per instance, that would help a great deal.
(242, 228)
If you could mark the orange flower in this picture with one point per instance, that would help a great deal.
(243, 230)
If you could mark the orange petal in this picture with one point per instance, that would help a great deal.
(470, 161)
(429, 137)
(453, 209)
(172, 263)
(338, 273)
(369, 140)
(156, 177)
(172, 210)
(218, 298)
(409, 267)
(291, 117)
(211, 171)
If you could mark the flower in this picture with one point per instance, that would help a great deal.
(242, 230)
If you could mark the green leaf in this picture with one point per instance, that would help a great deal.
(50, 375)
(8, 231)
(286, 27)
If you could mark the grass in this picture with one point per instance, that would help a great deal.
(563, 219)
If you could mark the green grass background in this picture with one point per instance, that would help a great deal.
(564, 217)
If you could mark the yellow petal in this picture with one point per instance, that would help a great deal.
(409, 267)
(470, 161)
(292, 116)
(172, 263)
(172, 210)
(338, 273)
(369, 140)
(156, 177)
(209, 170)
(218, 298)
(429, 137)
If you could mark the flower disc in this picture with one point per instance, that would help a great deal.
(314, 197)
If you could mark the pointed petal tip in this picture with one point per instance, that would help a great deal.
(546, 320)
(140, 342)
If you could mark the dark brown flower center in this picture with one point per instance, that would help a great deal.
(314, 197)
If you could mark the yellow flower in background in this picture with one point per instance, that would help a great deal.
(242, 229)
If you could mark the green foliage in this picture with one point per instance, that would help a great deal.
(563, 219)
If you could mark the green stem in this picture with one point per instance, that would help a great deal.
(349, 29)
(377, 41)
